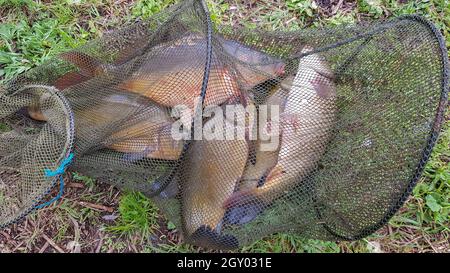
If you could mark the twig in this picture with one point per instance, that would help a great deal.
(390, 230)
(76, 229)
(429, 242)
(76, 185)
(44, 248)
(6, 235)
(100, 244)
(290, 20)
(53, 244)
(18, 246)
(337, 7)
(96, 206)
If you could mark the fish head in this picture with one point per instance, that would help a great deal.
(252, 75)
(253, 65)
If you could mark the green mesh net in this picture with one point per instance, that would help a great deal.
(234, 133)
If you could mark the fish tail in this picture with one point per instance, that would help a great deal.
(243, 206)
(270, 181)
(88, 65)
(35, 113)
(261, 194)
(205, 237)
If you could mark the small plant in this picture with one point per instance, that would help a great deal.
(432, 198)
(302, 7)
(137, 214)
(16, 3)
(89, 182)
(371, 7)
(147, 8)
(281, 243)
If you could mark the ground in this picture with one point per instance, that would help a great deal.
(95, 217)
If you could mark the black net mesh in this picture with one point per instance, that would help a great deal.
(330, 131)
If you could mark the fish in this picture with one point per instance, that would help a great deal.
(70, 79)
(264, 160)
(172, 74)
(209, 175)
(253, 67)
(35, 113)
(306, 127)
(149, 138)
(132, 125)
(88, 68)
(88, 65)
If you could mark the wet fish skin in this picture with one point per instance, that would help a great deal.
(306, 126)
(173, 74)
(265, 161)
(256, 67)
(88, 66)
(144, 128)
(209, 178)
(148, 138)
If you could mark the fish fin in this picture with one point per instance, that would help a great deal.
(70, 79)
(133, 157)
(34, 112)
(243, 98)
(205, 237)
(287, 83)
(254, 195)
(275, 173)
(171, 190)
(323, 89)
(89, 66)
(242, 207)
(233, 100)
(135, 85)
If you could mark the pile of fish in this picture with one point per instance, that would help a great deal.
(221, 182)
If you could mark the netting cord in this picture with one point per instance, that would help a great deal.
(67, 160)
(426, 153)
(167, 179)
(367, 36)
(58, 172)
(158, 32)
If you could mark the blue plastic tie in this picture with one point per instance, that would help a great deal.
(61, 169)
(58, 172)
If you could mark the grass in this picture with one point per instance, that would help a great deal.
(137, 213)
(33, 31)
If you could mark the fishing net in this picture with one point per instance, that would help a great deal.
(234, 133)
